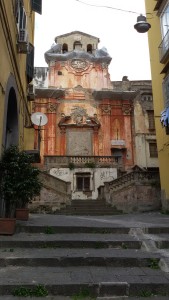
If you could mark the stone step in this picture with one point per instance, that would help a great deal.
(80, 240)
(65, 257)
(94, 203)
(39, 298)
(94, 206)
(155, 297)
(156, 230)
(161, 240)
(152, 297)
(87, 212)
(88, 201)
(101, 258)
(163, 244)
(74, 297)
(89, 207)
(91, 281)
(28, 227)
(90, 210)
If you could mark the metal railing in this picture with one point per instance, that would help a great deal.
(164, 48)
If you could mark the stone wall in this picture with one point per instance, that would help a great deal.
(97, 177)
(134, 192)
(55, 194)
(136, 198)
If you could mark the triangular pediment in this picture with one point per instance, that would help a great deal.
(76, 33)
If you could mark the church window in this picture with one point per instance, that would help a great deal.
(151, 119)
(83, 182)
(89, 48)
(153, 149)
(64, 48)
(77, 45)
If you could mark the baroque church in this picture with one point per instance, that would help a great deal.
(90, 137)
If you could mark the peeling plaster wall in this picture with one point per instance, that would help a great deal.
(41, 77)
(143, 136)
(98, 177)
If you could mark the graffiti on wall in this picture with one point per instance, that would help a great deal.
(107, 174)
(60, 172)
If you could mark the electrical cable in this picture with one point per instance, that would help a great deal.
(110, 7)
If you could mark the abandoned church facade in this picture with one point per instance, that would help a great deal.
(90, 137)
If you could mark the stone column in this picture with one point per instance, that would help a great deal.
(106, 114)
(63, 140)
(51, 128)
(95, 141)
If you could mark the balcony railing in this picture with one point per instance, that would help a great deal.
(164, 48)
(82, 161)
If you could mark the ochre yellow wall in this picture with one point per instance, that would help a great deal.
(154, 36)
(13, 64)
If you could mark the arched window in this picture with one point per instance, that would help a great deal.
(89, 48)
(11, 136)
(77, 45)
(64, 48)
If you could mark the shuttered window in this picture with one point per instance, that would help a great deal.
(30, 63)
(153, 149)
(83, 182)
(37, 6)
(151, 119)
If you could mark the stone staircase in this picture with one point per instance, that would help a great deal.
(68, 257)
(89, 207)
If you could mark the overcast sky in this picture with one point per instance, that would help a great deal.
(128, 49)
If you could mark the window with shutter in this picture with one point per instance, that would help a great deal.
(153, 149)
(151, 119)
(166, 90)
(83, 182)
(37, 6)
(30, 63)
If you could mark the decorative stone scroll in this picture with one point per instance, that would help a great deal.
(51, 108)
(104, 65)
(78, 114)
(106, 109)
(79, 65)
(79, 118)
(126, 109)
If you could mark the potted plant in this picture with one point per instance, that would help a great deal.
(19, 181)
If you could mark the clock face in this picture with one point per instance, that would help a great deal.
(79, 64)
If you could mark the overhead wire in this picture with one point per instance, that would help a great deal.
(114, 8)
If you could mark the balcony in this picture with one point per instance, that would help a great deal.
(166, 91)
(164, 49)
(82, 161)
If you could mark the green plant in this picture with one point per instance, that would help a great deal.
(84, 293)
(153, 263)
(49, 230)
(124, 246)
(71, 166)
(165, 212)
(37, 291)
(145, 293)
(90, 165)
(8, 250)
(19, 180)
(99, 245)
(40, 291)
(22, 292)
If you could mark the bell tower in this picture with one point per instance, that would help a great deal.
(75, 60)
